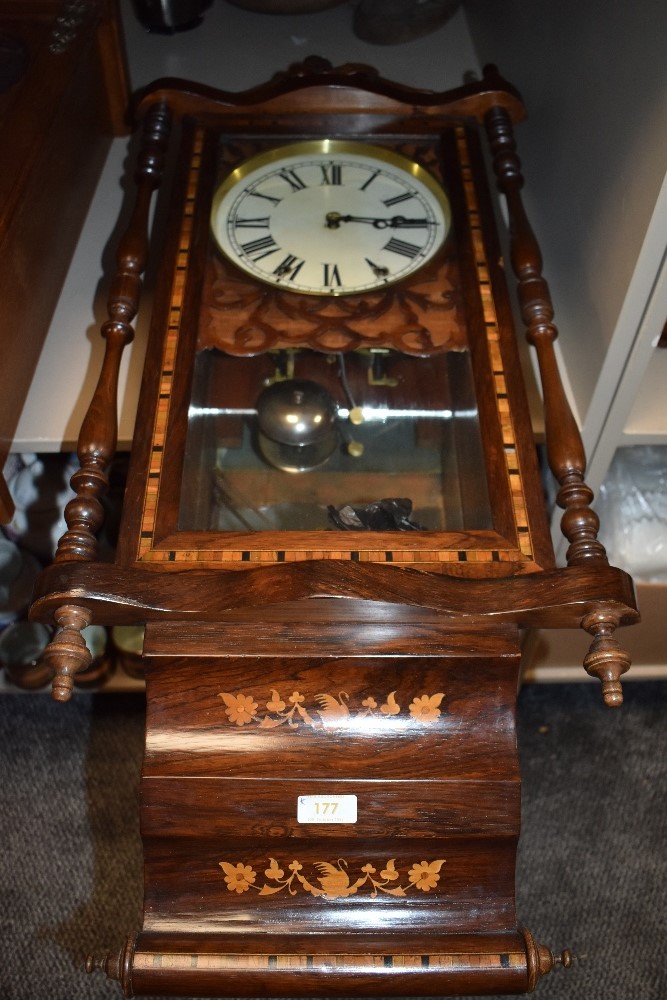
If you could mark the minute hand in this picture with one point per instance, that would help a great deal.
(334, 220)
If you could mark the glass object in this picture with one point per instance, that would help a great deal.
(375, 424)
(167, 16)
(21, 647)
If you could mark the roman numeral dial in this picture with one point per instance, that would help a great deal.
(330, 217)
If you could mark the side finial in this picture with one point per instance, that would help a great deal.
(116, 966)
(541, 960)
(606, 659)
(67, 652)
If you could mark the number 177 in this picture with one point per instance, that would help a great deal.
(326, 808)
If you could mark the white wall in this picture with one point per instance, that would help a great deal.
(235, 49)
(593, 74)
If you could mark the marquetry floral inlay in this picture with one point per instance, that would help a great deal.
(327, 710)
(334, 880)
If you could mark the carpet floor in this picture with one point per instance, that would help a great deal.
(591, 867)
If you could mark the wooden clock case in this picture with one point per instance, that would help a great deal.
(289, 668)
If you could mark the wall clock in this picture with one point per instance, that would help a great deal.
(333, 532)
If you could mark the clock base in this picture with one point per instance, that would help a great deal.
(451, 965)
(317, 821)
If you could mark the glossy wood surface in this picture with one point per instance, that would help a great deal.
(560, 599)
(449, 965)
(565, 448)
(284, 668)
(97, 439)
(437, 788)
(482, 316)
(347, 97)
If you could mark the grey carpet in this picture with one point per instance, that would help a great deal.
(591, 861)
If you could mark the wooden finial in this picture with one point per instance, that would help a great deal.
(541, 960)
(606, 659)
(67, 652)
(117, 966)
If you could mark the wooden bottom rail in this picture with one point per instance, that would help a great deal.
(478, 966)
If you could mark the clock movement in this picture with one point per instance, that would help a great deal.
(333, 532)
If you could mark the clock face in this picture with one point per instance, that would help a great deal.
(330, 217)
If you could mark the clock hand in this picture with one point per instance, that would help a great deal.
(334, 219)
(379, 272)
(400, 222)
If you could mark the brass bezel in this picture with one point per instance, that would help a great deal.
(339, 147)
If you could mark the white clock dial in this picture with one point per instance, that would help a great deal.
(330, 217)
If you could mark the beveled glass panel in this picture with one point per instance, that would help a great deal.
(297, 440)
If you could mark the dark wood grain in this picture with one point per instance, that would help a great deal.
(565, 448)
(426, 744)
(361, 94)
(333, 734)
(446, 964)
(188, 891)
(97, 439)
(330, 628)
(559, 599)
(281, 665)
(187, 808)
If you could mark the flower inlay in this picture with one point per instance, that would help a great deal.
(242, 709)
(334, 879)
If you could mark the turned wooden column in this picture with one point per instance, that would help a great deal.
(565, 449)
(67, 653)
(97, 439)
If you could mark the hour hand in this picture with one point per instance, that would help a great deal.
(334, 219)
(400, 222)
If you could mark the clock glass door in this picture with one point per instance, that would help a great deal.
(295, 440)
(376, 427)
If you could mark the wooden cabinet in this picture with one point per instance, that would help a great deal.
(58, 112)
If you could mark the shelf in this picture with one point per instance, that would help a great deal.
(118, 683)
(647, 423)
